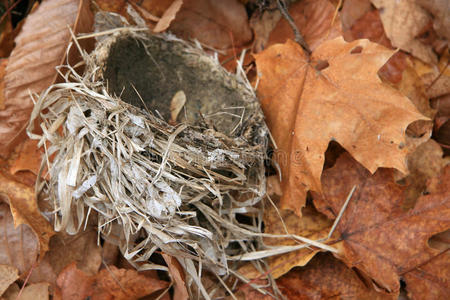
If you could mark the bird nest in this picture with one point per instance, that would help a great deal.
(185, 177)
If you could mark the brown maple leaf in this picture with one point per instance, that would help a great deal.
(333, 95)
(327, 278)
(40, 47)
(378, 236)
(25, 210)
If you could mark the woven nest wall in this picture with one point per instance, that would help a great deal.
(190, 186)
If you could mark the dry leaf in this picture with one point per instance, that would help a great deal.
(369, 26)
(430, 280)
(312, 225)
(18, 245)
(403, 21)
(435, 78)
(176, 105)
(262, 25)
(25, 210)
(122, 284)
(352, 10)
(40, 47)
(217, 24)
(178, 277)
(440, 9)
(8, 274)
(424, 163)
(81, 248)
(3, 63)
(168, 16)
(378, 236)
(327, 278)
(314, 18)
(37, 291)
(29, 159)
(307, 106)
(75, 284)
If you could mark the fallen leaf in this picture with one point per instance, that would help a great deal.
(217, 24)
(177, 274)
(29, 159)
(262, 25)
(8, 274)
(36, 291)
(123, 284)
(25, 210)
(377, 235)
(168, 16)
(115, 6)
(431, 280)
(3, 63)
(369, 26)
(325, 277)
(412, 86)
(352, 10)
(315, 19)
(75, 284)
(403, 21)
(435, 78)
(424, 163)
(307, 106)
(176, 105)
(312, 225)
(81, 248)
(19, 246)
(40, 47)
(440, 9)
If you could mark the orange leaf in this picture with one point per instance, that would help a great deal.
(75, 284)
(8, 274)
(81, 248)
(3, 63)
(219, 24)
(30, 157)
(314, 18)
(312, 225)
(168, 16)
(123, 284)
(177, 274)
(431, 279)
(336, 95)
(378, 237)
(18, 244)
(403, 21)
(327, 278)
(25, 210)
(40, 47)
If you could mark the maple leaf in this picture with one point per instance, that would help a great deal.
(378, 236)
(111, 283)
(19, 247)
(40, 47)
(403, 21)
(431, 279)
(24, 208)
(327, 278)
(333, 95)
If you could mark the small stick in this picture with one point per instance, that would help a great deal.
(341, 212)
(298, 37)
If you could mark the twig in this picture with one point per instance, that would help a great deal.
(298, 37)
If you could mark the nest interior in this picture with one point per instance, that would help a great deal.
(154, 70)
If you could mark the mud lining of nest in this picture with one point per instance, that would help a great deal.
(178, 188)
